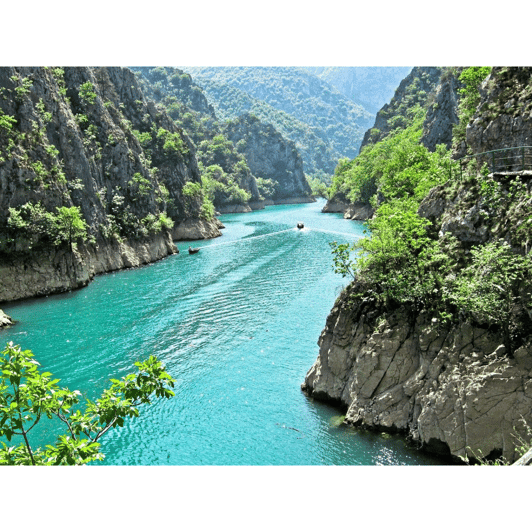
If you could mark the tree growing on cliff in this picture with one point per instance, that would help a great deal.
(488, 289)
(27, 396)
(69, 225)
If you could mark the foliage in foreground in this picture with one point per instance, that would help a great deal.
(27, 396)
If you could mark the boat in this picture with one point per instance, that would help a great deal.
(193, 250)
(300, 225)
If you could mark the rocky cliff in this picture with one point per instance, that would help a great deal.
(352, 211)
(462, 386)
(452, 390)
(435, 89)
(88, 141)
(414, 89)
(270, 156)
(502, 119)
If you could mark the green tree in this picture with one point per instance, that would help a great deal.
(488, 289)
(27, 396)
(69, 225)
(86, 92)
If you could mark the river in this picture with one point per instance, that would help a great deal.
(237, 326)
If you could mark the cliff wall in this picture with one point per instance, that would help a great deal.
(461, 387)
(270, 156)
(452, 390)
(86, 138)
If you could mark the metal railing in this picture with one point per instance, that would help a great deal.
(506, 160)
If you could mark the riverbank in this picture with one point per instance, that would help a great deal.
(236, 325)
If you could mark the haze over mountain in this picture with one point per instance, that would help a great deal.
(370, 87)
(324, 124)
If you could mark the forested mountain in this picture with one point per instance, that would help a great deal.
(226, 177)
(300, 105)
(438, 316)
(370, 87)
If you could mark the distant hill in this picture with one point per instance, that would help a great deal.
(324, 124)
(370, 87)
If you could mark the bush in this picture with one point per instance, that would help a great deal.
(27, 396)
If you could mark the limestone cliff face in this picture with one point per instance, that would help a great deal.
(352, 211)
(451, 390)
(87, 138)
(414, 89)
(503, 118)
(270, 156)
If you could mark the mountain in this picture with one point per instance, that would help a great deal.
(370, 87)
(322, 122)
(229, 175)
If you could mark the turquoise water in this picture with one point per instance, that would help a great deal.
(237, 327)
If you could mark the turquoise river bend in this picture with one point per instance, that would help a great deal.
(237, 326)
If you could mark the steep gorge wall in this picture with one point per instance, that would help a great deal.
(454, 389)
(70, 137)
(271, 156)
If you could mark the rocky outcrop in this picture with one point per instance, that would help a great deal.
(452, 390)
(442, 112)
(270, 156)
(414, 89)
(86, 138)
(59, 270)
(503, 118)
(352, 211)
(197, 229)
(359, 211)
(5, 320)
(336, 204)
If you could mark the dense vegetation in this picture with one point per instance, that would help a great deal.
(226, 177)
(405, 262)
(414, 90)
(397, 166)
(324, 124)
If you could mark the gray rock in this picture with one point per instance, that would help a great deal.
(270, 156)
(448, 389)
